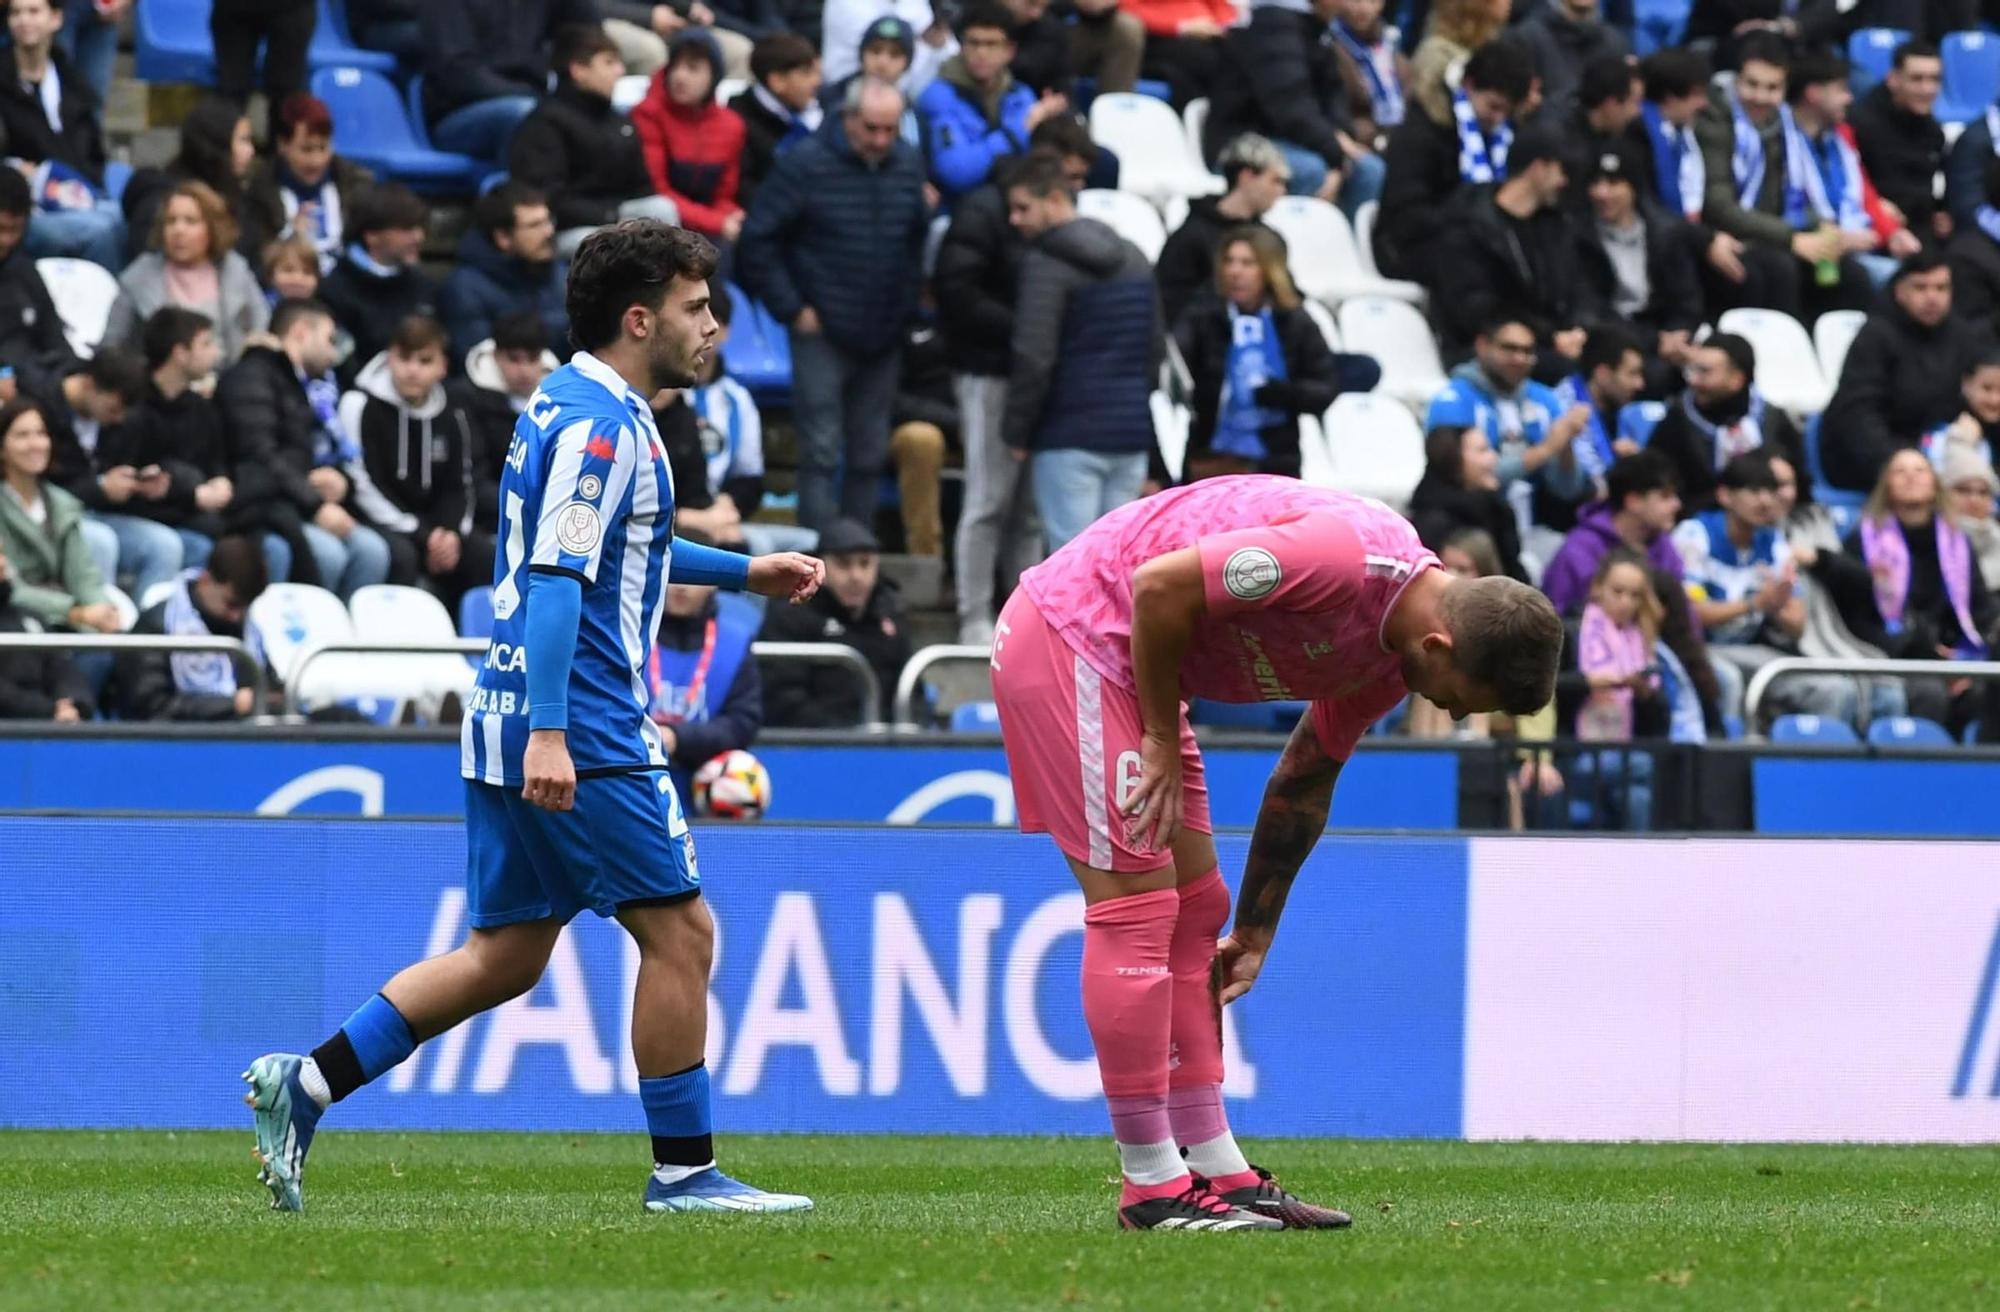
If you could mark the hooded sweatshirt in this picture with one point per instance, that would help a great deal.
(415, 471)
(969, 129)
(693, 153)
(1567, 579)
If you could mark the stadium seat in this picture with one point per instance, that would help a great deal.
(1832, 335)
(730, 88)
(758, 353)
(1258, 717)
(171, 42)
(630, 90)
(1151, 145)
(1907, 731)
(1788, 371)
(475, 613)
(372, 126)
(1658, 24)
(1813, 731)
(333, 47)
(1375, 446)
(1843, 505)
(1869, 53)
(1638, 419)
(1170, 430)
(1195, 119)
(156, 594)
(390, 613)
(1328, 329)
(290, 619)
(1971, 75)
(121, 601)
(117, 176)
(1395, 333)
(975, 717)
(1173, 213)
(83, 293)
(1325, 262)
(1364, 234)
(1127, 214)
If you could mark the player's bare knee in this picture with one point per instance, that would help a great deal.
(510, 959)
(680, 933)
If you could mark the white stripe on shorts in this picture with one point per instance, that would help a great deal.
(1090, 749)
(492, 726)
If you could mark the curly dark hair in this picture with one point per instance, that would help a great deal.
(630, 263)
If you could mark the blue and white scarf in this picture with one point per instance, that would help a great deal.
(1808, 198)
(210, 672)
(1730, 440)
(331, 444)
(1593, 445)
(1678, 169)
(1256, 357)
(1378, 63)
(1481, 159)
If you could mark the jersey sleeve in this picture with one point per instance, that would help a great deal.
(589, 467)
(1340, 722)
(1312, 563)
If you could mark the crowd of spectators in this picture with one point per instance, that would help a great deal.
(285, 392)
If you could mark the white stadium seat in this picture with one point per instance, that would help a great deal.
(1151, 145)
(1374, 447)
(1364, 234)
(1195, 118)
(1173, 213)
(1325, 262)
(121, 601)
(1130, 216)
(631, 90)
(482, 370)
(83, 293)
(1788, 371)
(1328, 329)
(1832, 335)
(389, 613)
(1395, 334)
(289, 620)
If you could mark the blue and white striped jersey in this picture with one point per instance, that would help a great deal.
(586, 492)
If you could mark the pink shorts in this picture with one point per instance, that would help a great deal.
(1072, 739)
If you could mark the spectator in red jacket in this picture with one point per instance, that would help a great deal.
(1183, 42)
(694, 147)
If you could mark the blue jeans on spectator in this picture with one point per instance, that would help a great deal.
(841, 403)
(143, 550)
(350, 563)
(277, 558)
(1364, 177)
(483, 128)
(91, 44)
(1073, 488)
(96, 235)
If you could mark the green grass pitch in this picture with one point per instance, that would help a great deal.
(90, 1220)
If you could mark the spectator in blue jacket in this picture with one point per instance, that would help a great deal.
(833, 246)
(1088, 341)
(506, 264)
(486, 67)
(707, 693)
(975, 114)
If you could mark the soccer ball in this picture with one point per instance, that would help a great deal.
(733, 786)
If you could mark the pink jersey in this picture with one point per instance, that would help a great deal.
(1299, 580)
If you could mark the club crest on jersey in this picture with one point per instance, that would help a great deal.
(1251, 573)
(589, 486)
(578, 528)
(603, 447)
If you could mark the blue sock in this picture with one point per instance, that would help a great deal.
(375, 1039)
(677, 1117)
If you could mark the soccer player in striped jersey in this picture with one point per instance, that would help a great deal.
(569, 806)
(1241, 589)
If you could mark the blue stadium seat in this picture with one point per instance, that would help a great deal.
(1869, 53)
(475, 613)
(333, 47)
(1658, 24)
(1638, 419)
(975, 717)
(171, 42)
(372, 127)
(1907, 731)
(117, 173)
(758, 353)
(1971, 76)
(1845, 506)
(1259, 717)
(1813, 731)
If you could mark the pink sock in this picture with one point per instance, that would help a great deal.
(1128, 1005)
(1194, 1101)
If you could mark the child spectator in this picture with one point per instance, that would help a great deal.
(886, 49)
(376, 284)
(412, 481)
(1616, 642)
(304, 189)
(693, 146)
(193, 264)
(211, 601)
(780, 108)
(585, 155)
(291, 270)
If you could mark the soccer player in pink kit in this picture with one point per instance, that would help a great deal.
(1239, 589)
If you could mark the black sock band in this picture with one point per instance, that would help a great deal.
(686, 1150)
(339, 1065)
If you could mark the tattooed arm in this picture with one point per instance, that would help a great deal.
(1296, 802)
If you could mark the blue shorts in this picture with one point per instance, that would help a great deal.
(625, 841)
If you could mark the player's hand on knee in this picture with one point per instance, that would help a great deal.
(548, 777)
(1153, 807)
(1236, 965)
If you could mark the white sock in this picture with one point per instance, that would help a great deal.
(314, 1083)
(1151, 1163)
(676, 1174)
(1216, 1157)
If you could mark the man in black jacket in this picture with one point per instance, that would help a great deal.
(280, 411)
(1428, 164)
(198, 686)
(1643, 265)
(1258, 176)
(857, 608)
(1720, 416)
(1903, 374)
(1514, 246)
(578, 150)
(1280, 77)
(779, 109)
(833, 246)
(50, 116)
(377, 282)
(1901, 143)
(486, 64)
(37, 685)
(176, 431)
(31, 332)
